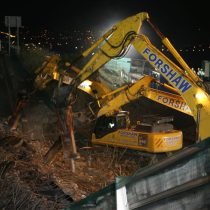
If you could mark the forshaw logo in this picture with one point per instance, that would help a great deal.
(128, 134)
(173, 103)
(165, 69)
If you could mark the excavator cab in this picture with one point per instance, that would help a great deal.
(123, 121)
(107, 124)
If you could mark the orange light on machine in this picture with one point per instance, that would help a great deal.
(55, 76)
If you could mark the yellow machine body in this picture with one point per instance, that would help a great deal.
(144, 141)
(154, 135)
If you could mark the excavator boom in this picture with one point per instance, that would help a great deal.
(111, 45)
(139, 89)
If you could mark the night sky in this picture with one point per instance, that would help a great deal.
(184, 19)
(180, 20)
(184, 22)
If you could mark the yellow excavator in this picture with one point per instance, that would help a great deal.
(183, 80)
(152, 133)
(149, 134)
(113, 126)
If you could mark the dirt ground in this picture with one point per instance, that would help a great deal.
(27, 182)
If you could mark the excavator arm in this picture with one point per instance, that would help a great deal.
(139, 89)
(196, 98)
(111, 101)
(112, 44)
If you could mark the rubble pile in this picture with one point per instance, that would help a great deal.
(27, 182)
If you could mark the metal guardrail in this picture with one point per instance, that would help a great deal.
(178, 182)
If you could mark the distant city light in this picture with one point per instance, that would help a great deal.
(12, 36)
(76, 41)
